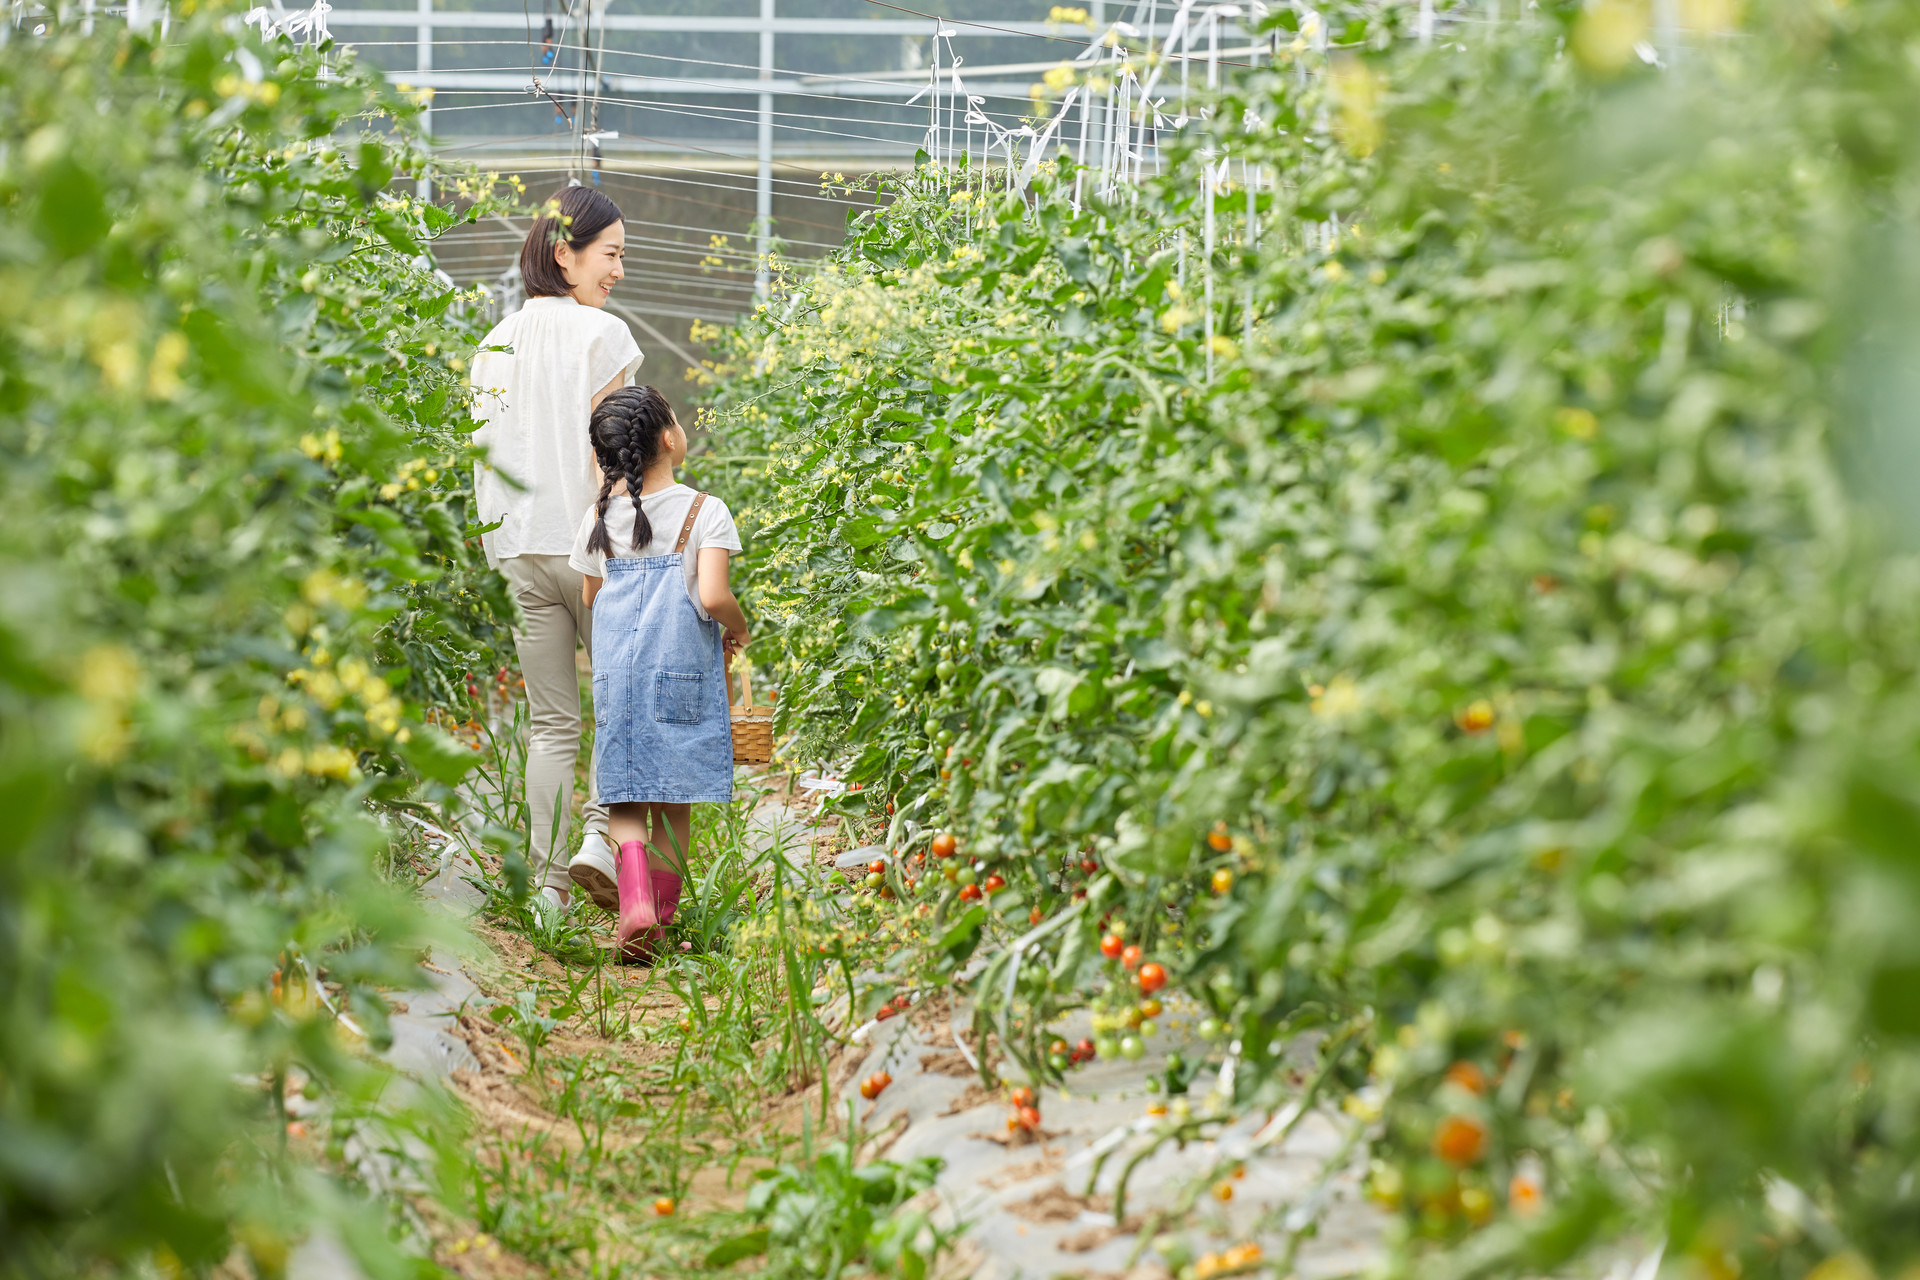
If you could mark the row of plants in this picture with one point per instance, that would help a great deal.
(1485, 641)
(235, 545)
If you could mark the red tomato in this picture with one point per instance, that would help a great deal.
(944, 845)
(1030, 1117)
(994, 883)
(1021, 1097)
(1110, 946)
(1089, 866)
(1131, 957)
(970, 893)
(1035, 916)
(877, 867)
(1152, 977)
(886, 1011)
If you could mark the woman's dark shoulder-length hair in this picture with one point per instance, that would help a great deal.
(574, 214)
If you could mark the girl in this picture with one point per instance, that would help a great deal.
(539, 374)
(653, 557)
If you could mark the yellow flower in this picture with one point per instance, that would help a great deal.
(163, 372)
(109, 681)
(330, 761)
(1340, 700)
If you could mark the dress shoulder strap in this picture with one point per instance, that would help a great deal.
(686, 530)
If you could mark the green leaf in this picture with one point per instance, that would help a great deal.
(751, 1244)
(438, 757)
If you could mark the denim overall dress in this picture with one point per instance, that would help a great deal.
(662, 733)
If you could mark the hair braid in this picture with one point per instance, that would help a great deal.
(626, 430)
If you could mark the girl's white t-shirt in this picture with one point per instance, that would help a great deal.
(666, 512)
(533, 401)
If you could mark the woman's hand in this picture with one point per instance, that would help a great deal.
(733, 642)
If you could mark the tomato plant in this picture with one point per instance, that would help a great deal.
(1507, 599)
(236, 546)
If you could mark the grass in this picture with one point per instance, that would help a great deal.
(706, 1080)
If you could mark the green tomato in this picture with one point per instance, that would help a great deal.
(1133, 1048)
(933, 728)
(1210, 1029)
(1057, 1062)
(944, 670)
(966, 875)
(1107, 1047)
(953, 875)
(875, 879)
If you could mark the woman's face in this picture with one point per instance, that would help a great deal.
(594, 270)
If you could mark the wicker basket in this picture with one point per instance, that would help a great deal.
(752, 726)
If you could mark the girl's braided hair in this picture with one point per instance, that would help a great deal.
(625, 430)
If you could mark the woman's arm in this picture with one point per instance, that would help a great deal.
(716, 597)
(590, 587)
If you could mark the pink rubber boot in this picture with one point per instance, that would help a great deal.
(666, 898)
(666, 894)
(639, 913)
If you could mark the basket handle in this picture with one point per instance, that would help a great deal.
(746, 686)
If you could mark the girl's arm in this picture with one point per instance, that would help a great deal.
(716, 597)
(590, 587)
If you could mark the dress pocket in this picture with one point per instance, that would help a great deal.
(677, 696)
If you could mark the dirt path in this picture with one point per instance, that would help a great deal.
(595, 1094)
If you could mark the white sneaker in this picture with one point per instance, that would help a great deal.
(548, 906)
(597, 871)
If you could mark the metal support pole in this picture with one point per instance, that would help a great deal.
(578, 160)
(423, 61)
(763, 188)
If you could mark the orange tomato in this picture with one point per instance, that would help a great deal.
(1110, 946)
(664, 1206)
(1460, 1140)
(1130, 958)
(1476, 717)
(1468, 1076)
(1152, 978)
(944, 845)
(1524, 1196)
(1218, 840)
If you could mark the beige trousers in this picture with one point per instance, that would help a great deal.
(555, 622)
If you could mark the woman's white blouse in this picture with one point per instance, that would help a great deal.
(532, 400)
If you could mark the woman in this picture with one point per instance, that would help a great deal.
(539, 375)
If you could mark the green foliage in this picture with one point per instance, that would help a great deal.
(231, 593)
(1505, 618)
(829, 1213)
